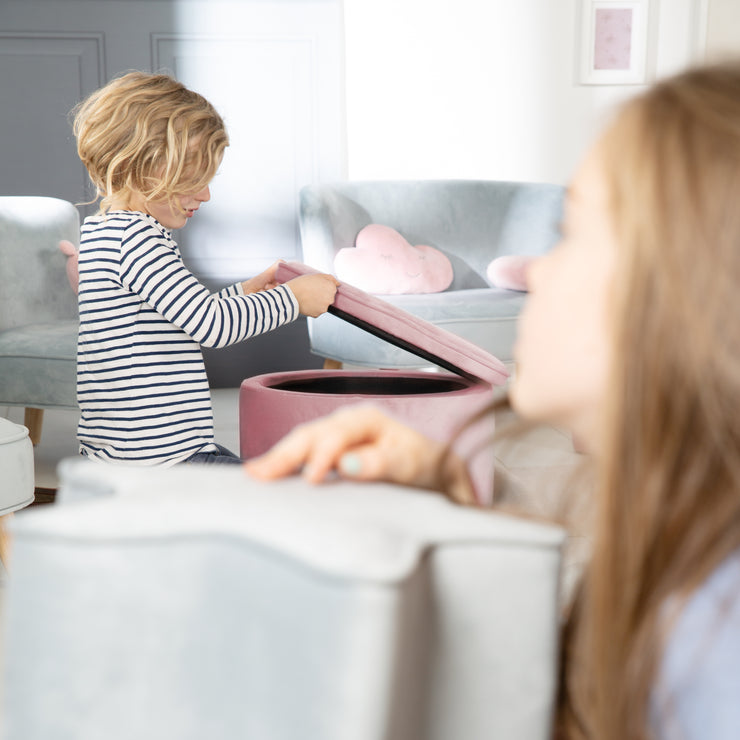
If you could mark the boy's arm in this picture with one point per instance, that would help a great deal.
(314, 292)
(150, 268)
(264, 281)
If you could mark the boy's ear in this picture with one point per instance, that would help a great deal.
(73, 275)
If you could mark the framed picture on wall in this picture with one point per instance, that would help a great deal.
(613, 45)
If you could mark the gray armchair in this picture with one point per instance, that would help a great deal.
(471, 221)
(38, 311)
(194, 603)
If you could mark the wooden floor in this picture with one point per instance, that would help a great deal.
(43, 496)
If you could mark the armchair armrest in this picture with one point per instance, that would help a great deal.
(193, 602)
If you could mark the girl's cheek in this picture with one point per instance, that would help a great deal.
(530, 274)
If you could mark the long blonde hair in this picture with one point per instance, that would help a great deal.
(668, 492)
(148, 134)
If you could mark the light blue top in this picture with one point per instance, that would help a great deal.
(697, 695)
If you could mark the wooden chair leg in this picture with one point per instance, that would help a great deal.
(33, 419)
(332, 364)
(4, 541)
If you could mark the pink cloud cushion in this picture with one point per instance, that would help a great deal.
(509, 272)
(382, 261)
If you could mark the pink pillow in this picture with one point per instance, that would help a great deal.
(73, 275)
(509, 272)
(382, 261)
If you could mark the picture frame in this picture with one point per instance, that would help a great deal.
(613, 44)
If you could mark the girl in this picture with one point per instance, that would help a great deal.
(630, 339)
(151, 147)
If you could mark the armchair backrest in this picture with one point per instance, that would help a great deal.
(475, 220)
(33, 282)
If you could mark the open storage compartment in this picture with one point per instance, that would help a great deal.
(437, 404)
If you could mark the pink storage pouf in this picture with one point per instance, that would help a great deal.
(435, 403)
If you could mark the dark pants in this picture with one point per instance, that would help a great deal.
(222, 456)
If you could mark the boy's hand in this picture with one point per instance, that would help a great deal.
(314, 292)
(264, 281)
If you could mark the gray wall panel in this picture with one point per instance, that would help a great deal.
(273, 69)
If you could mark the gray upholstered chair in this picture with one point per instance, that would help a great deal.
(17, 487)
(192, 602)
(38, 309)
(471, 221)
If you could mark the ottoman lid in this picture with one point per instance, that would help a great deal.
(409, 332)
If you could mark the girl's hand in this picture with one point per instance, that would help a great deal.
(362, 443)
(264, 281)
(314, 292)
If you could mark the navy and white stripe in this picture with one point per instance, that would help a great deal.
(141, 380)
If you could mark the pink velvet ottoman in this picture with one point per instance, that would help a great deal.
(435, 403)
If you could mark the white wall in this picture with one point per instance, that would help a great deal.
(481, 88)
(723, 28)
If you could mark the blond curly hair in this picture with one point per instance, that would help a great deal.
(148, 134)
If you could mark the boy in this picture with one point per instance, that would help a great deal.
(151, 147)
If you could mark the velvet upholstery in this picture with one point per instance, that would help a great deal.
(193, 602)
(16, 467)
(382, 261)
(472, 222)
(401, 328)
(435, 404)
(38, 310)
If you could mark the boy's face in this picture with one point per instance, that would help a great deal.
(169, 216)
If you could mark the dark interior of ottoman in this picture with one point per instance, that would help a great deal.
(368, 385)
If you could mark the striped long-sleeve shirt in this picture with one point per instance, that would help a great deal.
(141, 381)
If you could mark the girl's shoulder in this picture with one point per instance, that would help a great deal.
(717, 600)
(708, 627)
(699, 680)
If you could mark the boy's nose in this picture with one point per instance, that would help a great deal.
(203, 195)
